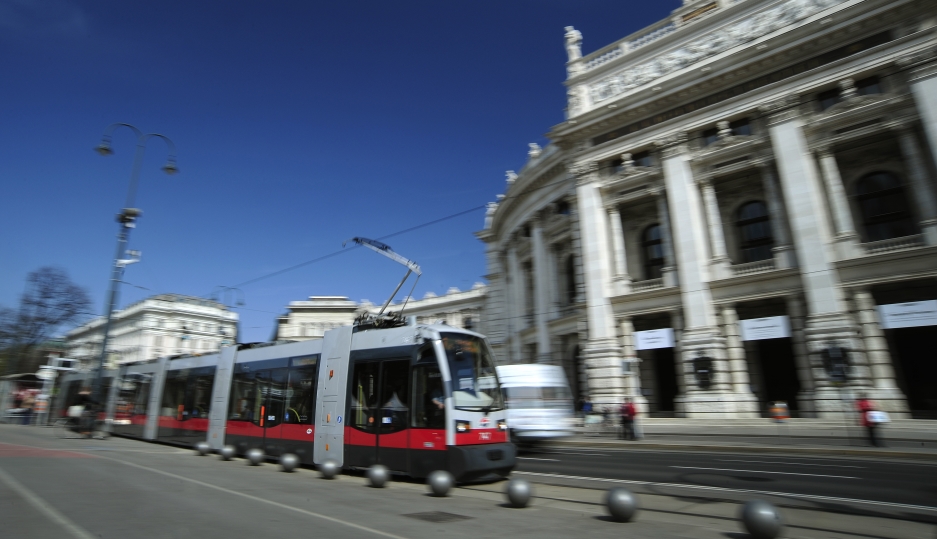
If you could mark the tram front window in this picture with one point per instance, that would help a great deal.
(474, 383)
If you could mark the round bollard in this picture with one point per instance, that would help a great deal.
(202, 448)
(761, 519)
(328, 469)
(227, 452)
(518, 492)
(440, 483)
(289, 462)
(378, 475)
(255, 456)
(621, 504)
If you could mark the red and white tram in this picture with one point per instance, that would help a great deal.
(415, 398)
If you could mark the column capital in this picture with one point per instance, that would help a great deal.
(672, 144)
(823, 150)
(781, 110)
(584, 171)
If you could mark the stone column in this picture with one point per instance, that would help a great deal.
(633, 380)
(884, 388)
(923, 82)
(515, 303)
(679, 401)
(847, 241)
(805, 373)
(601, 351)
(669, 271)
(783, 250)
(828, 321)
(541, 275)
(923, 192)
(622, 279)
(747, 402)
(719, 262)
(701, 336)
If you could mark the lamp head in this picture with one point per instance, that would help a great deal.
(104, 149)
(170, 168)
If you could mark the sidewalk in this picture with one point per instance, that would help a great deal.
(907, 438)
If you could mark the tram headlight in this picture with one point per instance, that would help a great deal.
(463, 426)
(502, 424)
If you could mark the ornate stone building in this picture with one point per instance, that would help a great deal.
(165, 324)
(739, 208)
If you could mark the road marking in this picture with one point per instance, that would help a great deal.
(789, 463)
(762, 471)
(51, 513)
(734, 490)
(532, 458)
(256, 499)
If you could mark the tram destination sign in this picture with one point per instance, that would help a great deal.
(908, 315)
(653, 338)
(771, 327)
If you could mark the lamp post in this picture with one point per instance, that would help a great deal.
(127, 220)
(231, 298)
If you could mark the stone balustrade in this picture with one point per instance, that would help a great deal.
(749, 268)
(893, 244)
(649, 284)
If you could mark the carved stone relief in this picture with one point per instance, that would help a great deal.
(725, 38)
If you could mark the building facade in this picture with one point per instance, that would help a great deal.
(165, 324)
(310, 319)
(740, 208)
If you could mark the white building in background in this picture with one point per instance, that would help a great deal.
(310, 319)
(165, 324)
(739, 192)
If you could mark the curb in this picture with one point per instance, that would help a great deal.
(837, 451)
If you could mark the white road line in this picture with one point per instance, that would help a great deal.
(51, 513)
(762, 471)
(735, 490)
(789, 463)
(532, 458)
(256, 499)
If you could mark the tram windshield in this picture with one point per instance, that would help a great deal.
(474, 382)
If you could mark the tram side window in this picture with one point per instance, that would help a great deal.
(174, 395)
(141, 399)
(243, 404)
(201, 398)
(301, 395)
(364, 395)
(429, 400)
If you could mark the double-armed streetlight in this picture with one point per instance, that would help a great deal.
(127, 219)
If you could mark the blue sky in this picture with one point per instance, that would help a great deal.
(297, 126)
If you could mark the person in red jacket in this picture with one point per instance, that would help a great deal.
(864, 406)
(628, 413)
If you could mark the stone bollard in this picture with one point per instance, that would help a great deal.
(440, 483)
(202, 448)
(518, 492)
(329, 469)
(227, 452)
(289, 462)
(621, 504)
(761, 519)
(378, 475)
(255, 456)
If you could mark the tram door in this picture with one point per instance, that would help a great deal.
(379, 414)
(271, 388)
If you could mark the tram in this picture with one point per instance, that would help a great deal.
(415, 398)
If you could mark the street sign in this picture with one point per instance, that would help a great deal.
(46, 374)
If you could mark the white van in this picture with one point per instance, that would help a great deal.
(539, 402)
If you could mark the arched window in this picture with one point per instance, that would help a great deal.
(884, 207)
(652, 244)
(755, 238)
(570, 280)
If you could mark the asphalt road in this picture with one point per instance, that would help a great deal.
(888, 482)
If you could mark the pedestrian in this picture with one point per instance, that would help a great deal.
(869, 417)
(627, 413)
(28, 403)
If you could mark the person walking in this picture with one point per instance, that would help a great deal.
(627, 413)
(28, 403)
(867, 409)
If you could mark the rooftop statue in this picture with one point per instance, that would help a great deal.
(573, 43)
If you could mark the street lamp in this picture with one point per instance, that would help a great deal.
(127, 219)
(231, 298)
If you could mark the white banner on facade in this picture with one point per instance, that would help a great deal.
(653, 338)
(908, 315)
(771, 327)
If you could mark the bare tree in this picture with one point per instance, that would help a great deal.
(50, 301)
